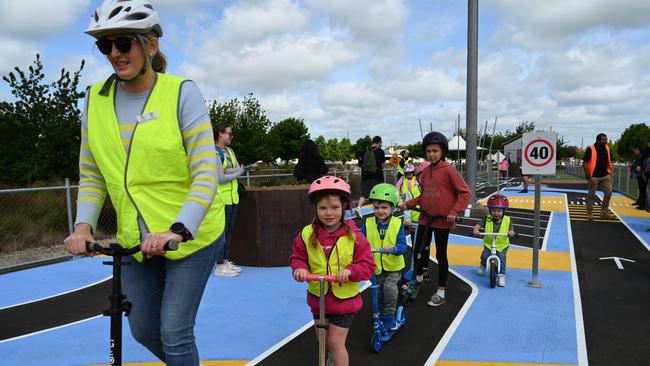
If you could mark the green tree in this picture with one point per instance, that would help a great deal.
(333, 152)
(250, 127)
(286, 138)
(40, 131)
(322, 146)
(635, 134)
(359, 148)
(345, 149)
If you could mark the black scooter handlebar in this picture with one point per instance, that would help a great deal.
(114, 248)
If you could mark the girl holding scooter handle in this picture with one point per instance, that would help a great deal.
(332, 245)
(496, 222)
(443, 193)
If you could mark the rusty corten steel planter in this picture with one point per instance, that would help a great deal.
(268, 220)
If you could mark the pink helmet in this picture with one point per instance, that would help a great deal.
(329, 183)
(421, 167)
(409, 168)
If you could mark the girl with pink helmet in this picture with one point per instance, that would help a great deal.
(331, 245)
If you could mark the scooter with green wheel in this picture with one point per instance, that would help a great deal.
(321, 326)
(380, 332)
(119, 305)
(493, 262)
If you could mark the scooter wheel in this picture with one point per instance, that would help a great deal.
(375, 343)
(493, 273)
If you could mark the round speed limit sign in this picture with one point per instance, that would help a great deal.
(539, 153)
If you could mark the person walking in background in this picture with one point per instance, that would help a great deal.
(146, 140)
(372, 171)
(311, 164)
(229, 193)
(331, 245)
(637, 173)
(503, 168)
(597, 164)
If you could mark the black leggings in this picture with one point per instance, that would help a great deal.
(442, 238)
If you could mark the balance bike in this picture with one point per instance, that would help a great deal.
(321, 326)
(119, 304)
(380, 332)
(493, 263)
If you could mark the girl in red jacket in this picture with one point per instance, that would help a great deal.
(444, 195)
(333, 246)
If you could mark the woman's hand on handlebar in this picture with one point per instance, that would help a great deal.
(451, 218)
(300, 274)
(154, 243)
(75, 243)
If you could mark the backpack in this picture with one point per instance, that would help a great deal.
(369, 166)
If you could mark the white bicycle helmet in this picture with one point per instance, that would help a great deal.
(136, 16)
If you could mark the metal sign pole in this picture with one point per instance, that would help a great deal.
(538, 200)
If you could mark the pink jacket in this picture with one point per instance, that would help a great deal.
(362, 267)
(443, 192)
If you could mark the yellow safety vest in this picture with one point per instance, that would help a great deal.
(228, 190)
(415, 192)
(343, 251)
(153, 179)
(389, 262)
(502, 241)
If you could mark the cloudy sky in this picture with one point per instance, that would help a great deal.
(366, 67)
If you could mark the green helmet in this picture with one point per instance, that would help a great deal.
(384, 192)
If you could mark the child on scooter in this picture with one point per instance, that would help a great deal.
(496, 222)
(332, 245)
(444, 193)
(383, 230)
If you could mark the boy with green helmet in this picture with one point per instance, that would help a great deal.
(383, 230)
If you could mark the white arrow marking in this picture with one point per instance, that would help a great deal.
(617, 260)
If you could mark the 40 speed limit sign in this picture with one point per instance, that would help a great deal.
(539, 153)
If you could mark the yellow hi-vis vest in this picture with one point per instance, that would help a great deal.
(386, 262)
(415, 192)
(340, 257)
(153, 179)
(502, 241)
(228, 190)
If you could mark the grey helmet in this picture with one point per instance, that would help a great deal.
(435, 138)
(137, 16)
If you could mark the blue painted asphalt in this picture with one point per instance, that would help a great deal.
(37, 283)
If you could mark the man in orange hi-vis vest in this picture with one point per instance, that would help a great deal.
(597, 163)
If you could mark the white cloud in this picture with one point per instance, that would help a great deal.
(32, 19)
(15, 53)
(248, 22)
(377, 21)
(274, 64)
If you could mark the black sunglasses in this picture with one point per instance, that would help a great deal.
(123, 44)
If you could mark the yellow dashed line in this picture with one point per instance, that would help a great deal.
(548, 203)
(468, 255)
(624, 208)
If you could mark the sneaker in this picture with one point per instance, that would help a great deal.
(389, 322)
(590, 216)
(232, 266)
(481, 270)
(223, 270)
(436, 300)
(501, 280)
(640, 207)
(607, 216)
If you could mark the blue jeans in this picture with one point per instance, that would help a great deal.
(165, 295)
(502, 256)
(224, 250)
